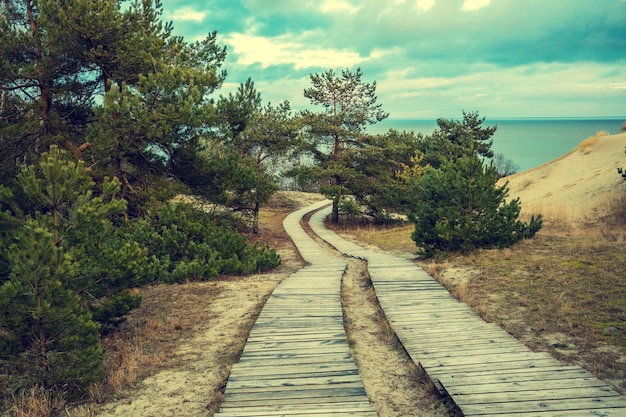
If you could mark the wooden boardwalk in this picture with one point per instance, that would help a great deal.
(484, 370)
(297, 361)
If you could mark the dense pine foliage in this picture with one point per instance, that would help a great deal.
(104, 118)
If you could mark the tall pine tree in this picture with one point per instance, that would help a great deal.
(348, 106)
(457, 204)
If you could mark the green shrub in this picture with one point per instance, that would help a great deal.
(185, 243)
(460, 207)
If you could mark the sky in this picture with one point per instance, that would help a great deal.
(429, 58)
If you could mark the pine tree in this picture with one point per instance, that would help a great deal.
(460, 207)
(67, 262)
(271, 134)
(46, 335)
(145, 132)
(349, 105)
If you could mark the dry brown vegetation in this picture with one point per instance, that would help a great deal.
(586, 145)
(563, 292)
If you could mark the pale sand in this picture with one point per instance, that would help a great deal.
(577, 184)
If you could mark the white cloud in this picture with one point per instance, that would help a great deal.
(470, 5)
(331, 6)
(425, 5)
(524, 91)
(284, 49)
(187, 14)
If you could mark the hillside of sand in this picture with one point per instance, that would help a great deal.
(577, 185)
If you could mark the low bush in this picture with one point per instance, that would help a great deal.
(186, 244)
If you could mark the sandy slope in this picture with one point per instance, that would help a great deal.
(575, 184)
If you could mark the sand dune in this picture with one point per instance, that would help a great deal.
(577, 184)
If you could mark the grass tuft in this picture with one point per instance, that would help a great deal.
(37, 402)
(587, 145)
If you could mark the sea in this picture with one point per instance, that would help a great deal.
(528, 142)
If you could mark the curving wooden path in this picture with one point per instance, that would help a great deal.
(297, 360)
(483, 369)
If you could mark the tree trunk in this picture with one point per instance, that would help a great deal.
(335, 214)
(255, 219)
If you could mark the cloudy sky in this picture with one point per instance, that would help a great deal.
(429, 58)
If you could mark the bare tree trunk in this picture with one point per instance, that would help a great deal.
(255, 219)
(334, 218)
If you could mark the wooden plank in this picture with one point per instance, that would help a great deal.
(547, 393)
(491, 376)
(287, 336)
(335, 409)
(296, 389)
(476, 351)
(296, 352)
(551, 406)
(521, 385)
(318, 368)
(463, 346)
(589, 412)
(479, 359)
(295, 396)
(268, 346)
(277, 381)
(307, 360)
(436, 371)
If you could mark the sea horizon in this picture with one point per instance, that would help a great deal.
(527, 141)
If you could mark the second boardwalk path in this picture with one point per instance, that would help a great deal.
(484, 370)
(297, 360)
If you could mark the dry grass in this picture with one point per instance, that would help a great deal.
(37, 402)
(586, 145)
(563, 292)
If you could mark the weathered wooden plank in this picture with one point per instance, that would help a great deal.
(287, 336)
(296, 352)
(282, 381)
(524, 385)
(434, 347)
(295, 396)
(335, 409)
(323, 358)
(491, 376)
(300, 413)
(460, 341)
(589, 412)
(476, 351)
(547, 393)
(267, 346)
(318, 368)
(324, 386)
(551, 406)
(435, 371)
(487, 359)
